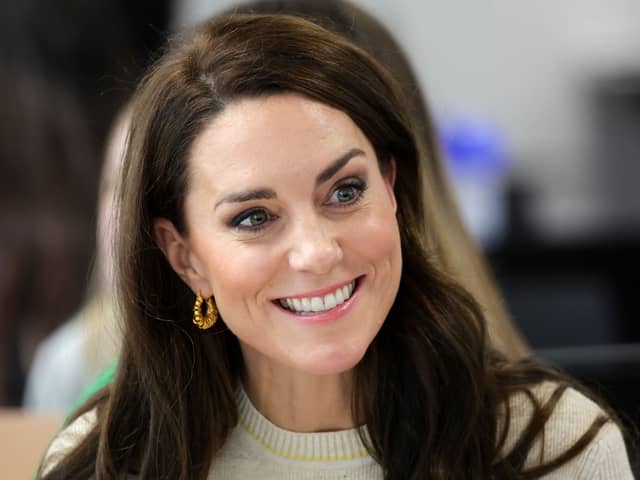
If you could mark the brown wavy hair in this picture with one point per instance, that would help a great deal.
(429, 388)
(453, 248)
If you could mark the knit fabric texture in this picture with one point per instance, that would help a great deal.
(258, 449)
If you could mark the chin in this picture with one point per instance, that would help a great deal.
(327, 360)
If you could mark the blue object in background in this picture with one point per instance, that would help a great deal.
(475, 150)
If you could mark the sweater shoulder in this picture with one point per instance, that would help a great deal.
(572, 417)
(68, 439)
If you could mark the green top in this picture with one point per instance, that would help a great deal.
(103, 379)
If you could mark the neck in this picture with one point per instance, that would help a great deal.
(298, 401)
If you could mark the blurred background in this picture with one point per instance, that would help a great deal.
(538, 109)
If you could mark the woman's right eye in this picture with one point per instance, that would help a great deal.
(253, 220)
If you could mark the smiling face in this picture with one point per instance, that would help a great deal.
(291, 227)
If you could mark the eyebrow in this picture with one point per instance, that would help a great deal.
(335, 167)
(268, 193)
(260, 194)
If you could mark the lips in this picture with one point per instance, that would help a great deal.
(314, 304)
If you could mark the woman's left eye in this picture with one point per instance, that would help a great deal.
(347, 193)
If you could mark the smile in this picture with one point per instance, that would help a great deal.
(318, 304)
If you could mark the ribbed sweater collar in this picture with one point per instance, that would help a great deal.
(323, 446)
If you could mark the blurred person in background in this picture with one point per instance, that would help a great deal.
(65, 70)
(45, 228)
(79, 350)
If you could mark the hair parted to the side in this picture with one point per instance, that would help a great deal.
(447, 237)
(429, 388)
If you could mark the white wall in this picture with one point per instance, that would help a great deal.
(526, 65)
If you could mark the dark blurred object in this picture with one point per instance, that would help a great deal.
(99, 49)
(615, 119)
(66, 69)
(575, 294)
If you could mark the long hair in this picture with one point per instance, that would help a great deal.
(454, 249)
(429, 388)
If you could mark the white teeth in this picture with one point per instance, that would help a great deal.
(306, 304)
(316, 304)
(329, 301)
(346, 292)
(319, 304)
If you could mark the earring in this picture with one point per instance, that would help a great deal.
(209, 318)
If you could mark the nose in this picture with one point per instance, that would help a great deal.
(315, 248)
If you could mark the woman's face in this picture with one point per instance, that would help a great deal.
(292, 228)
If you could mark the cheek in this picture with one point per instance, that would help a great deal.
(379, 246)
(378, 239)
(239, 274)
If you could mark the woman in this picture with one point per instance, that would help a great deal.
(454, 251)
(284, 318)
(453, 248)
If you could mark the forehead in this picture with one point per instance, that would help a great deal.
(266, 135)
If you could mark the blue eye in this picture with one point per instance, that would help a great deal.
(254, 219)
(348, 192)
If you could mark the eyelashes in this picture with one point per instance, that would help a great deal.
(346, 193)
(253, 219)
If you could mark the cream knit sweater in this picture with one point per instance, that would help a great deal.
(257, 449)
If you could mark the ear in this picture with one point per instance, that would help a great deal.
(181, 257)
(389, 177)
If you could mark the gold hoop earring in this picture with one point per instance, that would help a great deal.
(210, 317)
